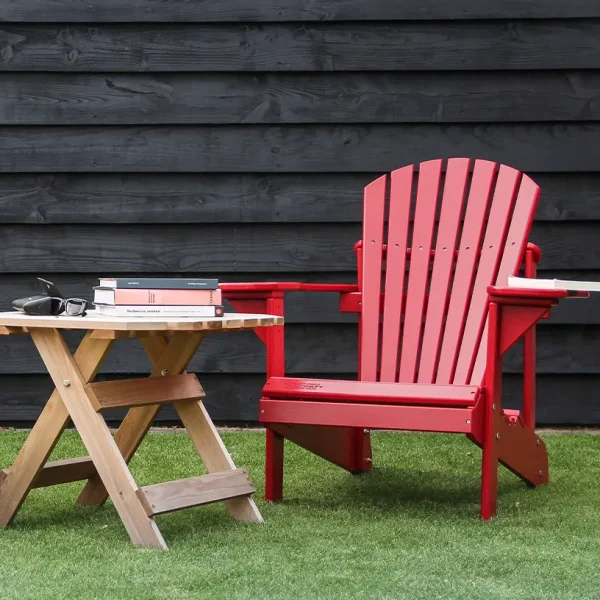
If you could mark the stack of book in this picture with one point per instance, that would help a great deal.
(158, 297)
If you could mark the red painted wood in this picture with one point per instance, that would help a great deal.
(371, 416)
(477, 203)
(418, 275)
(455, 184)
(373, 218)
(529, 354)
(346, 447)
(399, 216)
(491, 253)
(516, 321)
(510, 256)
(491, 407)
(275, 339)
(261, 286)
(253, 306)
(335, 390)
(273, 466)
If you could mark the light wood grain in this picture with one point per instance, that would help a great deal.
(173, 357)
(144, 391)
(45, 433)
(195, 491)
(91, 321)
(61, 471)
(96, 438)
(214, 454)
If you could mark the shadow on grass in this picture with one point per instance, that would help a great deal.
(391, 490)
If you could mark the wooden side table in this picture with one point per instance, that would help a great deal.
(170, 345)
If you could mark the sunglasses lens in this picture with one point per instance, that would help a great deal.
(56, 306)
(75, 307)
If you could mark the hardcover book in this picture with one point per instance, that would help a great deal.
(118, 296)
(129, 310)
(159, 283)
(553, 284)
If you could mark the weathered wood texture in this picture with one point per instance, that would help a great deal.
(540, 147)
(127, 11)
(180, 198)
(362, 46)
(233, 138)
(276, 98)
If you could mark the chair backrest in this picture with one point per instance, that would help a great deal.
(433, 254)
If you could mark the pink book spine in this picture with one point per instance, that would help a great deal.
(168, 297)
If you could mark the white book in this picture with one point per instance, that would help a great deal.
(552, 284)
(153, 310)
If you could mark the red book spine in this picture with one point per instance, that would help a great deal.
(168, 297)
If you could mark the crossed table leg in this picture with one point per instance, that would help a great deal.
(106, 467)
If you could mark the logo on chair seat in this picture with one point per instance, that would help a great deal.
(302, 385)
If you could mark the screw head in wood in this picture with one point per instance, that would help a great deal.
(468, 421)
(67, 382)
(164, 372)
(497, 436)
(541, 473)
(539, 442)
(493, 407)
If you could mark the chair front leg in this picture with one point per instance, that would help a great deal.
(492, 405)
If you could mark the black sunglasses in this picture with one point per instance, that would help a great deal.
(51, 305)
(51, 302)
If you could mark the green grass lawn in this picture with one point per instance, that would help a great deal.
(410, 529)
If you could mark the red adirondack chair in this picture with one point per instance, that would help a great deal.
(435, 318)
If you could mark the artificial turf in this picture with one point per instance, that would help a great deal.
(409, 529)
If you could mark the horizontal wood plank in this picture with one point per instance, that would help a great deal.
(562, 399)
(61, 471)
(149, 11)
(144, 391)
(542, 147)
(388, 46)
(278, 98)
(194, 491)
(234, 248)
(315, 348)
(178, 198)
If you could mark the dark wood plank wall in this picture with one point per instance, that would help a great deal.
(233, 138)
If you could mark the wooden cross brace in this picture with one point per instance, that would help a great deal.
(106, 467)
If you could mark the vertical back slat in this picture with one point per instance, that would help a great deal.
(477, 204)
(455, 183)
(373, 219)
(426, 204)
(399, 215)
(514, 249)
(489, 260)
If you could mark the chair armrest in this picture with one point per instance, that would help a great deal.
(528, 296)
(287, 286)
(261, 286)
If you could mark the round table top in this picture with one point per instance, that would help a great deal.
(92, 321)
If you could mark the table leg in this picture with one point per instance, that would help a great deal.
(97, 438)
(172, 356)
(214, 454)
(46, 433)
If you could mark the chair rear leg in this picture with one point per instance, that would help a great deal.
(273, 466)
